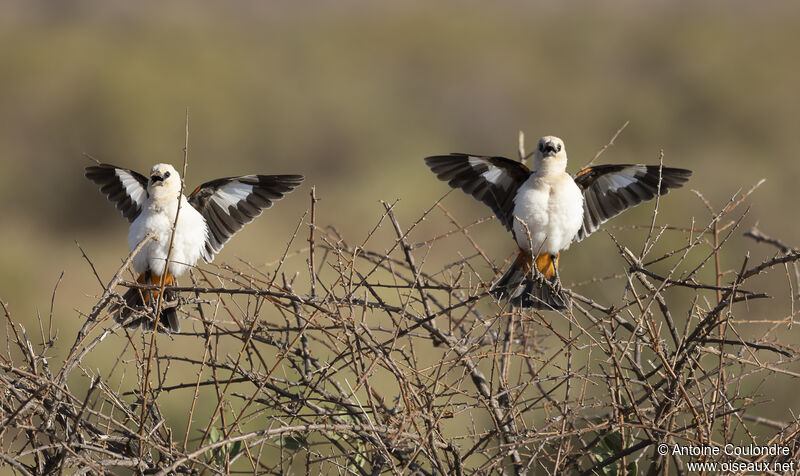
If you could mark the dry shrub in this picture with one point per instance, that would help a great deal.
(390, 364)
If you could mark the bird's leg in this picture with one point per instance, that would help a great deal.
(147, 294)
(555, 266)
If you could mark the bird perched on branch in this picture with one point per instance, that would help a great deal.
(546, 209)
(206, 220)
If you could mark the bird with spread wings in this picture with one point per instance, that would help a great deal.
(546, 209)
(207, 219)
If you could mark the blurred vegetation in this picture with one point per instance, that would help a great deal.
(355, 94)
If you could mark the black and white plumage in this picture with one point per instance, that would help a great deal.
(227, 204)
(491, 180)
(126, 188)
(546, 209)
(207, 219)
(609, 190)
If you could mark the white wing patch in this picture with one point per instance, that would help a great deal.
(495, 175)
(231, 194)
(621, 179)
(132, 186)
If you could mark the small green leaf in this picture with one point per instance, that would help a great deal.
(290, 442)
(613, 442)
(235, 448)
(213, 435)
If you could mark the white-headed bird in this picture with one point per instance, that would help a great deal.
(546, 209)
(207, 219)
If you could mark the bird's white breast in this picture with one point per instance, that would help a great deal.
(157, 217)
(551, 211)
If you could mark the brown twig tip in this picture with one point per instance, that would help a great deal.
(318, 358)
(90, 157)
(605, 147)
(761, 237)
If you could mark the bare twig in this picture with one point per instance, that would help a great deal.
(345, 379)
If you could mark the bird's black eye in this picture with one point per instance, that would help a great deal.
(559, 147)
(541, 146)
(167, 174)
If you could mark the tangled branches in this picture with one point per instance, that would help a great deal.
(392, 363)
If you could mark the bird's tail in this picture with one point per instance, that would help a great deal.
(529, 287)
(140, 304)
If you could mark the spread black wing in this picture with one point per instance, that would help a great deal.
(227, 204)
(608, 190)
(492, 180)
(126, 188)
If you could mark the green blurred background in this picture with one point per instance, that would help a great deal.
(355, 94)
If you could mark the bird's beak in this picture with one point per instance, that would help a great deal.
(156, 179)
(549, 149)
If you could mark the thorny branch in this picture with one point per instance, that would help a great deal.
(347, 379)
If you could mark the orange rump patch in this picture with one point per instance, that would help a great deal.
(546, 265)
(524, 260)
(155, 279)
(168, 279)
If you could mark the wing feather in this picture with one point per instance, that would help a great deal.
(491, 180)
(227, 204)
(125, 188)
(608, 190)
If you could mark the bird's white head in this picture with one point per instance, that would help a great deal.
(165, 182)
(550, 155)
